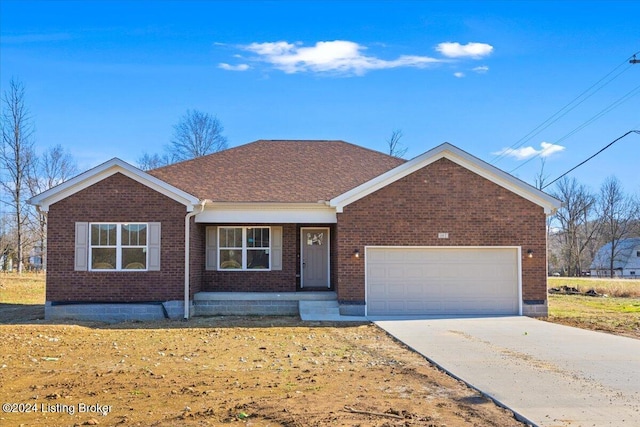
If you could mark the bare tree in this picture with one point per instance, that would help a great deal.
(52, 168)
(540, 179)
(16, 158)
(617, 215)
(575, 220)
(395, 146)
(152, 161)
(195, 135)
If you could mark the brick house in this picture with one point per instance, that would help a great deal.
(263, 227)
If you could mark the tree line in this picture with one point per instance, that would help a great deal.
(24, 173)
(587, 221)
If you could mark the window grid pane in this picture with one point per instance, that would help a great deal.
(118, 246)
(103, 258)
(257, 259)
(134, 258)
(231, 238)
(257, 238)
(103, 234)
(134, 235)
(241, 248)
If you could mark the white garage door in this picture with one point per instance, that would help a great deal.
(434, 281)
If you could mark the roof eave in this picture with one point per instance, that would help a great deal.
(80, 182)
(448, 151)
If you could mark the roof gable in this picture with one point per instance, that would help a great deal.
(462, 158)
(105, 170)
(278, 171)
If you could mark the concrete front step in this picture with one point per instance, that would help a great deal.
(255, 303)
(311, 306)
(320, 310)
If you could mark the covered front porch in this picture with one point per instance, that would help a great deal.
(268, 258)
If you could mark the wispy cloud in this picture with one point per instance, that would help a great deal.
(469, 50)
(239, 67)
(481, 69)
(36, 38)
(546, 149)
(337, 56)
(458, 74)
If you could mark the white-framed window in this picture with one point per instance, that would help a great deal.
(244, 248)
(118, 246)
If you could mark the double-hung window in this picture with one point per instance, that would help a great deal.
(244, 248)
(118, 246)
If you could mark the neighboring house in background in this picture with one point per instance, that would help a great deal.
(626, 260)
(258, 228)
(36, 258)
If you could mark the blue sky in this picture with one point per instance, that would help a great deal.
(110, 79)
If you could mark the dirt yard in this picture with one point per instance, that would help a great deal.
(258, 371)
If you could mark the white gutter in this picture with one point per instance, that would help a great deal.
(187, 227)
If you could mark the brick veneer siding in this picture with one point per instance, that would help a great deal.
(115, 199)
(442, 197)
(258, 281)
(196, 257)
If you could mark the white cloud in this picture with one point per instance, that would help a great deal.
(37, 38)
(239, 67)
(459, 74)
(337, 56)
(546, 149)
(481, 69)
(470, 50)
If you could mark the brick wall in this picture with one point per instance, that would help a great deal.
(442, 197)
(116, 199)
(196, 257)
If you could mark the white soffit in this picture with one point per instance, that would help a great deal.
(271, 213)
(462, 158)
(103, 171)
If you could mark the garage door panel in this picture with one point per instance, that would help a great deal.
(423, 281)
(414, 291)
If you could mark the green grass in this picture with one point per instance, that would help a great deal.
(623, 288)
(26, 288)
(617, 313)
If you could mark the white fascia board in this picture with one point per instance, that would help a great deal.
(267, 213)
(464, 159)
(103, 171)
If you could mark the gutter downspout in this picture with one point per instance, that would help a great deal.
(187, 228)
(43, 250)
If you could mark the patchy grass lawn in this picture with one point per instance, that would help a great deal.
(618, 313)
(258, 371)
(26, 289)
(624, 288)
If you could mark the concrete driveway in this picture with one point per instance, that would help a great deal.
(550, 375)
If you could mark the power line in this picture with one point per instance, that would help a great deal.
(633, 92)
(585, 161)
(568, 107)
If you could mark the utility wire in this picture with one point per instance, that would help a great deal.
(585, 161)
(633, 92)
(568, 107)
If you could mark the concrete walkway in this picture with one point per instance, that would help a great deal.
(550, 375)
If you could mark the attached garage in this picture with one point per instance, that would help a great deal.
(442, 281)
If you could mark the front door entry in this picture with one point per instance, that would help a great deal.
(314, 256)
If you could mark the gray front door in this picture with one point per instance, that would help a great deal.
(314, 248)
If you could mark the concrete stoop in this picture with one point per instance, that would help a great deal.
(324, 311)
(311, 306)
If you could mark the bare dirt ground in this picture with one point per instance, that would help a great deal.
(258, 371)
